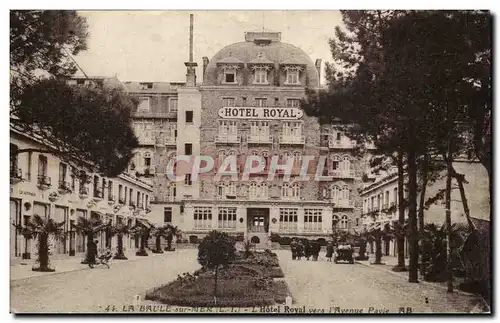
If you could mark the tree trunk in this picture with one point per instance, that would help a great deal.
(158, 245)
(378, 249)
(449, 170)
(169, 243)
(215, 286)
(412, 206)
(460, 181)
(90, 239)
(142, 250)
(120, 254)
(401, 266)
(421, 204)
(43, 252)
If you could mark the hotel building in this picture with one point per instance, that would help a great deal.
(265, 79)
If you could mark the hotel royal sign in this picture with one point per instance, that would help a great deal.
(260, 113)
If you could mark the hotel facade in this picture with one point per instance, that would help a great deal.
(42, 184)
(248, 104)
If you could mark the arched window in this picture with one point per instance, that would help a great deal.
(345, 193)
(334, 193)
(297, 155)
(263, 189)
(335, 221)
(335, 162)
(171, 191)
(285, 190)
(296, 190)
(265, 154)
(231, 189)
(252, 190)
(343, 222)
(221, 189)
(346, 165)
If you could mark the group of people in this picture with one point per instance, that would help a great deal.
(305, 249)
(311, 249)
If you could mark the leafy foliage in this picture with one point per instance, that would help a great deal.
(41, 228)
(216, 250)
(89, 126)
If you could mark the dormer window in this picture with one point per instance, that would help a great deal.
(145, 86)
(260, 76)
(230, 76)
(292, 75)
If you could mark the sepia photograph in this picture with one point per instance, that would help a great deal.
(258, 162)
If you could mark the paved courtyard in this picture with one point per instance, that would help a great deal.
(316, 285)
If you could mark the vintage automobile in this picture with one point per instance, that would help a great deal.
(344, 253)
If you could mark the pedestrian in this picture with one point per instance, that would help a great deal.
(307, 249)
(315, 249)
(300, 249)
(293, 248)
(92, 253)
(329, 251)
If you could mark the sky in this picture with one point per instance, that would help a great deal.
(153, 45)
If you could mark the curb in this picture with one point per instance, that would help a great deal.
(420, 281)
(73, 270)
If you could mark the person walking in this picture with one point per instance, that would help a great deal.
(300, 249)
(329, 251)
(92, 253)
(293, 248)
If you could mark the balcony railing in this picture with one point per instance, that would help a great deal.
(147, 141)
(343, 203)
(44, 181)
(121, 200)
(166, 141)
(98, 193)
(84, 191)
(292, 140)
(341, 144)
(288, 226)
(228, 138)
(64, 186)
(260, 139)
(131, 204)
(341, 174)
(16, 175)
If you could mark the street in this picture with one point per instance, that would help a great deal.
(340, 288)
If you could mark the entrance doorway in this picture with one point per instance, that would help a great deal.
(258, 226)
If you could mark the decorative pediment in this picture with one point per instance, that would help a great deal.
(230, 67)
(292, 68)
(230, 62)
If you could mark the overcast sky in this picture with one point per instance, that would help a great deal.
(153, 45)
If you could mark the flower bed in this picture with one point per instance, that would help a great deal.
(239, 286)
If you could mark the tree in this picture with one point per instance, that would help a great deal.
(172, 231)
(158, 233)
(89, 228)
(42, 229)
(216, 251)
(120, 230)
(142, 230)
(43, 40)
(95, 132)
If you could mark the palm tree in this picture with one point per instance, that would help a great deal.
(173, 231)
(143, 230)
(42, 228)
(89, 227)
(158, 233)
(119, 230)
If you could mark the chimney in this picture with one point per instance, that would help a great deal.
(318, 68)
(191, 66)
(205, 64)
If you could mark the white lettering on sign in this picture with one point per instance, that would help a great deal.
(260, 113)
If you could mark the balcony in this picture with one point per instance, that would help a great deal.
(64, 187)
(335, 173)
(166, 141)
(260, 139)
(84, 192)
(121, 200)
(111, 199)
(131, 204)
(292, 140)
(341, 144)
(227, 139)
(155, 115)
(16, 175)
(343, 203)
(44, 182)
(146, 141)
(98, 194)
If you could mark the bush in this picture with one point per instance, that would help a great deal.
(285, 241)
(216, 250)
(194, 239)
(275, 237)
